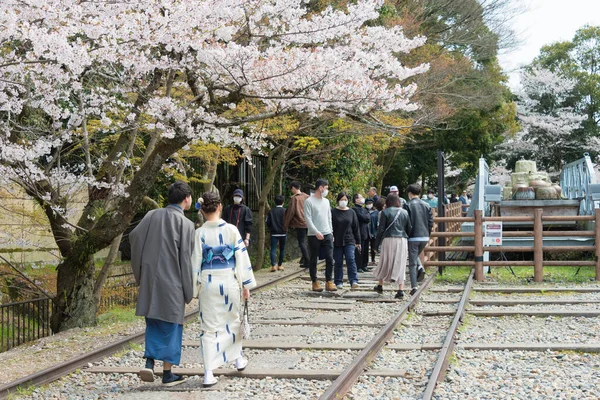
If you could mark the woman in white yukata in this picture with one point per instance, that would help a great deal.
(220, 261)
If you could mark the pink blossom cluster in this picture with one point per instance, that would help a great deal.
(67, 64)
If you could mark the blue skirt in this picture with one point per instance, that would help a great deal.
(163, 341)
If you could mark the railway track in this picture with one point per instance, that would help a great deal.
(334, 345)
(64, 368)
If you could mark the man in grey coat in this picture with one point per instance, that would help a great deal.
(161, 253)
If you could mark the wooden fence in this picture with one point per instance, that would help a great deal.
(538, 249)
(452, 211)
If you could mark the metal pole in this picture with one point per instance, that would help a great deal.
(596, 243)
(538, 244)
(441, 208)
(478, 228)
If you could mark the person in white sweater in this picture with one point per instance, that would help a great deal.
(317, 213)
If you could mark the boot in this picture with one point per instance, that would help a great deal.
(378, 289)
(330, 286)
(273, 269)
(316, 287)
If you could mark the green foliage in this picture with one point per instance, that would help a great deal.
(117, 315)
(578, 59)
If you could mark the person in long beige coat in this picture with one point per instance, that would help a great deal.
(161, 252)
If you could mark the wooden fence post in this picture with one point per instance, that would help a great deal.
(478, 229)
(538, 243)
(597, 243)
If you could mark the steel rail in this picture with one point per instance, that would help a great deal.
(349, 376)
(439, 371)
(57, 371)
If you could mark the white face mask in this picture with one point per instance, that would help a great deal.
(343, 203)
(430, 196)
(360, 201)
(237, 199)
(325, 193)
(369, 206)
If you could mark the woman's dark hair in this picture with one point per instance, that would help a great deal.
(340, 195)
(380, 203)
(391, 200)
(178, 192)
(211, 202)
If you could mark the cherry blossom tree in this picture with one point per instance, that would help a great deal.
(549, 123)
(100, 94)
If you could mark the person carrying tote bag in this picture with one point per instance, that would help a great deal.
(392, 233)
(225, 278)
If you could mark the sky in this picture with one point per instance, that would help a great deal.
(546, 22)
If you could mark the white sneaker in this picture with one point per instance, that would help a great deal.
(241, 363)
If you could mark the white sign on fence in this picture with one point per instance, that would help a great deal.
(493, 234)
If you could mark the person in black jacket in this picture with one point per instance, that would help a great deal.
(239, 215)
(421, 219)
(364, 219)
(278, 232)
(346, 237)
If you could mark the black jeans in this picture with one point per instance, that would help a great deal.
(301, 235)
(314, 245)
(365, 253)
(373, 243)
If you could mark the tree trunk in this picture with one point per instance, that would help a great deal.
(108, 263)
(74, 305)
(275, 160)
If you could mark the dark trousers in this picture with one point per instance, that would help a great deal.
(314, 246)
(373, 248)
(414, 249)
(274, 240)
(301, 235)
(365, 254)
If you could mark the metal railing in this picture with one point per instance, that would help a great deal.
(24, 321)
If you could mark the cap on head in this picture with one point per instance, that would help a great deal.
(393, 188)
(430, 191)
(238, 192)
(368, 200)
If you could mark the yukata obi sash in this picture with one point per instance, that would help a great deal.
(218, 257)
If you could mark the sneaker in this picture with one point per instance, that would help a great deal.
(354, 286)
(399, 294)
(378, 289)
(339, 287)
(280, 268)
(316, 287)
(241, 363)
(147, 373)
(210, 381)
(273, 269)
(420, 275)
(330, 287)
(171, 379)
(413, 291)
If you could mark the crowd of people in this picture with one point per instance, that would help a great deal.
(354, 230)
(173, 263)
